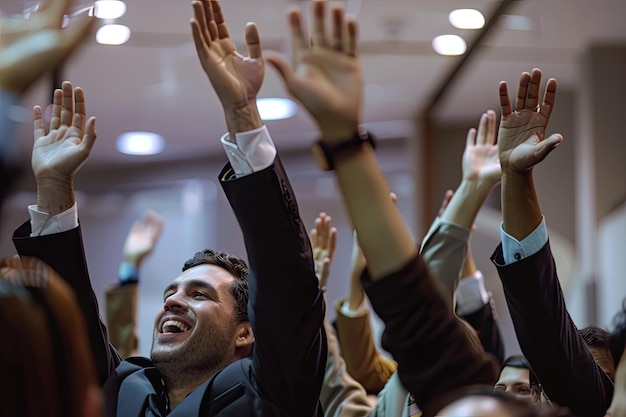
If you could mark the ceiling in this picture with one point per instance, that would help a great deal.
(155, 82)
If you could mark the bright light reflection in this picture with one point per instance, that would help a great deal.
(140, 143)
(110, 9)
(113, 34)
(466, 19)
(449, 45)
(276, 108)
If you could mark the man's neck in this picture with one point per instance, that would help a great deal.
(180, 383)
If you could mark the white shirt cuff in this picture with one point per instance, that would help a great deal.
(360, 311)
(41, 223)
(251, 151)
(471, 294)
(513, 250)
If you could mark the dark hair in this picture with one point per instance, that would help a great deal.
(514, 406)
(617, 340)
(520, 361)
(595, 336)
(237, 267)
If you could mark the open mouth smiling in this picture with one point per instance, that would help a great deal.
(174, 326)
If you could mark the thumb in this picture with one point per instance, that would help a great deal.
(548, 145)
(89, 138)
(283, 68)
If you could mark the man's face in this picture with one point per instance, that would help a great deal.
(196, 326)
(515, 381)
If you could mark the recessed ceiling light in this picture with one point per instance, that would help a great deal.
(276, 108)
(140, 143)
(110, 9)
(449, 45)
(113, 34)
(466, 19)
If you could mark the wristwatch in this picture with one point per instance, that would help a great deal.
(325, 154)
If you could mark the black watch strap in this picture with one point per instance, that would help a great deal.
(325, 154)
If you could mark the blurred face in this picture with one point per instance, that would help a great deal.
(196, 328)
(474, 406)
(515, 381)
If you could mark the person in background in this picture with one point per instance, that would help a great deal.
(47, 366)
(121, 299)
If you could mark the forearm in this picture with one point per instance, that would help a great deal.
(521, 212)
(443, 251)
(363, 360)
(55, 196)
(467, 200)
(382, 233)
(242, 119)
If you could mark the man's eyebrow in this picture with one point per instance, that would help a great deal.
(195, 283)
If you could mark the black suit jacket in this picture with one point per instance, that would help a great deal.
(435, 358)
(286, 309)
(549, 338)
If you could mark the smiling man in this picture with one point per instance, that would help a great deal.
(219, 349)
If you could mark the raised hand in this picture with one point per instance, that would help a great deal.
(58, 154)
(236, 79)
(32, 47)
(326, 75)
(142, 238)
(324, 242)
(521, 138)
(481, 161)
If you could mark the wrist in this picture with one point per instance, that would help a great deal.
(328, 154)
(243, 119)
(55, 196)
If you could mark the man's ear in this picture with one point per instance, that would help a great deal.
(245, 336)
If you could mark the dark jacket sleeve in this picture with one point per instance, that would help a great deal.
(485, 324)
(286, 307)
(64, 253)
(435, 357)
(549, 338)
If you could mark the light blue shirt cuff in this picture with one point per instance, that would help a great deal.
(128, 273)
(513, 250)
(252, 151)
(42, 223)
(471, 294)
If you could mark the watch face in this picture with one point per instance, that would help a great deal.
(320, 157)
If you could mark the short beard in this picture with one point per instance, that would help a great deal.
(198, 358)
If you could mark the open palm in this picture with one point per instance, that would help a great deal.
(481, 160)
(61, 152)
(521, 138)
(236, 79)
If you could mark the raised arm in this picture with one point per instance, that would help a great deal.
(327, 80)
(341, 395)
(286, 307)
(363, 360)
(29, 49)
(121, 299)
(53, 234)
(562, 362)
(445, 246)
